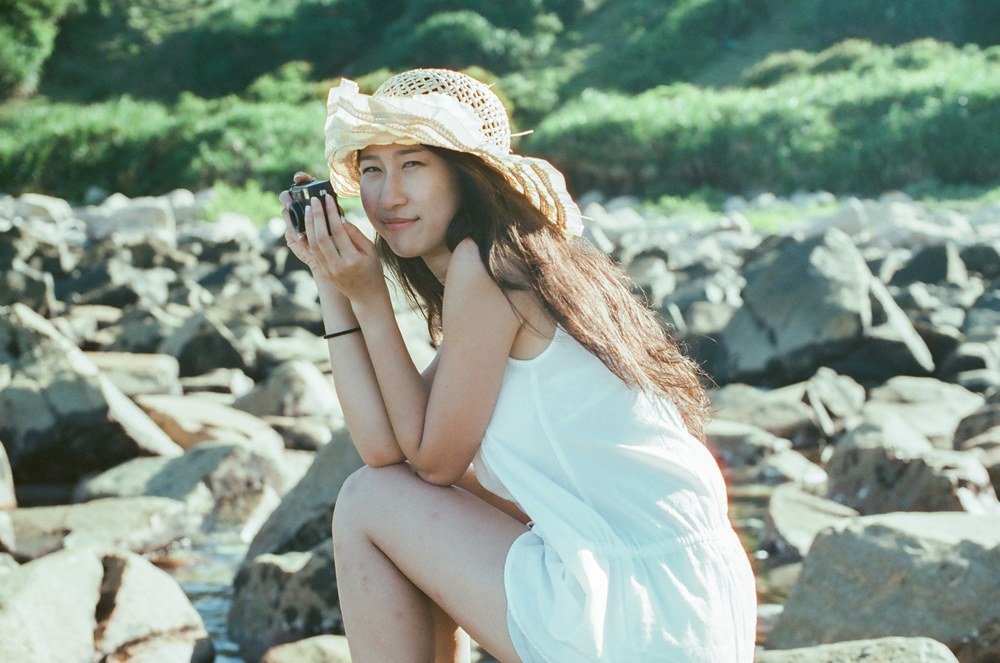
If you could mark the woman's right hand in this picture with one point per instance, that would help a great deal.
(297, 241)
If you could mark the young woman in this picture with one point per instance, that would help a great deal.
(542, 486)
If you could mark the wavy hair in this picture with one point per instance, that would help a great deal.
(580, 288)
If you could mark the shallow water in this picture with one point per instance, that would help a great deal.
(205, 570)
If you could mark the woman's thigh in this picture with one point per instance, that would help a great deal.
(449, 543)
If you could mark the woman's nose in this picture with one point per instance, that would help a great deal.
(393, 193)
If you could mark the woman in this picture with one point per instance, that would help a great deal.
(593, 526)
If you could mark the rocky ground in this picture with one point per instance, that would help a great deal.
(162, 381)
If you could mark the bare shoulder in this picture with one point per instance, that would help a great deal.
(466, 267)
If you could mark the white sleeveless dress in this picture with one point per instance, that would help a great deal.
(631, 557)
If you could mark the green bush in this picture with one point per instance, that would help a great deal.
(142, 147)
(862, 130)
(899, 21)
(27, 35)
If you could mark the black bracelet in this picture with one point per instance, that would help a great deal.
(341, 333)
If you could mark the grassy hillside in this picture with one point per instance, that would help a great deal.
(145, 95)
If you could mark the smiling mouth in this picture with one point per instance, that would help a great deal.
(397, 223)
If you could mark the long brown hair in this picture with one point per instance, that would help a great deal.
(579, 287)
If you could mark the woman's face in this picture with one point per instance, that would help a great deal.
(410, 195)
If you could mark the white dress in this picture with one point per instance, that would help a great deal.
(631, 557)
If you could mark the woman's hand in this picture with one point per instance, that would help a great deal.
(335, 250)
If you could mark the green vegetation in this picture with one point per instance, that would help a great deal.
(647, 97)
(854, 118)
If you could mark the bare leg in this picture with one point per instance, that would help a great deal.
(451, 642)
(403, 546)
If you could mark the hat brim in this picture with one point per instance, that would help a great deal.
(355, 121)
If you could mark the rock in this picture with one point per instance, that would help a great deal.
(136, 374)
(141, 604)
(318, 649)
(736, 444)
(204, 343)
(276, 351)
(931, 407)
(139, 524)
(306, 513)
(880, 650)
(283, 598)
(977, 423)
(293, 389)
(8, 537)
(767, 617)
(789, 466)
(883, 466)
(779, 413)
(305, 433)
(803, 302)
(938, 263)
(223, 483)
(189, 420)
(32, 287)
(144, 328)
(833, 398)
(7, 499)
(59, 417)
(38, 206)
(651, 276)
(220, 380)
(794, 518)
(47, 609)
(133, 219)
(900, 574)
(983, 259)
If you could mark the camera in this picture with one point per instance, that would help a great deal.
(301, 195)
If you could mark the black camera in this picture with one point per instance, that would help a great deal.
(301, 195)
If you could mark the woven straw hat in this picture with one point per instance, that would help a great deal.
(446, 109)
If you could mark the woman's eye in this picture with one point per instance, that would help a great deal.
(412, 163)
(369, 169)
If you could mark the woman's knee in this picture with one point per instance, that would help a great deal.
(363, 494)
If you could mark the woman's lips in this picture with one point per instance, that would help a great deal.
(398, 223)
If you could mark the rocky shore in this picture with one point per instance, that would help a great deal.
(162, 382)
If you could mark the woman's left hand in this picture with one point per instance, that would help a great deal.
(344, 257)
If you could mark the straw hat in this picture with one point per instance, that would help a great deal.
(446, 109)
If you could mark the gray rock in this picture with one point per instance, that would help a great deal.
(59, 417)
(283, 598)
(778, 412)
(47, 609)
(32, 287)
(136, 374)
(306, 513)
(220, 380)
(789, 466)
(900, 574)
(305, 433)
(977, 423)
(8, 537)
(318, 649)
(833, 398)
(38, 206)
(938, 263)
(931, 407)
(651, 276)
(736, 444)
(880, 650)
(7, 498)
(189, 420)
(803, 302)
(794, 518)
(137, 218)
(144, 328)
(204, 343)
(224, 484)
(141, 604)
(139, 524)
(293, 389)
(883, 466)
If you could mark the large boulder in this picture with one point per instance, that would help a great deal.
(283, 598)
(885, 465)
(136, 374)
(204, 342)
(779, 412)
(142, 610)
(135, 219)
(735, 444)
(295, 388)
(900, 574)
(794, 518)
(59, 417)
(139, 524)
(304, 518)
(931, 407)
(189, 420)
(48, 609)
(809, 302)
(227, 485)
(880, 650)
